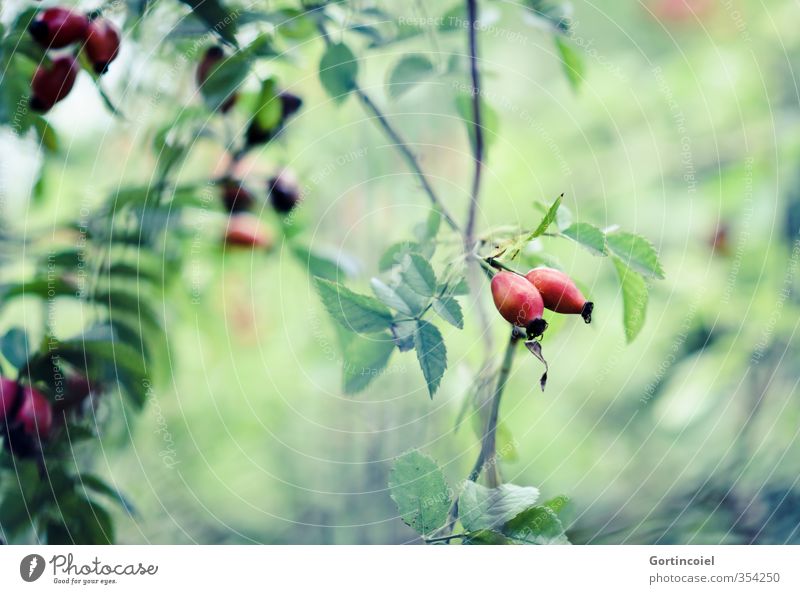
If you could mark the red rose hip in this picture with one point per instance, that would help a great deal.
(518, 301)
(559, 293)
(51, 85)
(102, 44)
(58, 27)
(35, 413)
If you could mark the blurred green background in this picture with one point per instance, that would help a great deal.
(683, 130)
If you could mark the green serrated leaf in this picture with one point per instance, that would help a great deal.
(431, 354)
(394, 254)
(357, 313)
(636, 252)
(403, 334)
(409, 71)
(634, 298)
(481, 508)
(449, 310)
(571, 62)
(365, 357)
(15, 347)
(419, 489)
(418, 275)
(338, 71)
(536, 526)
(391, 298)
(589, 236)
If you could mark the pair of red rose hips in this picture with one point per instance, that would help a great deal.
(521, 300)
(246, 230)
(56, 28)
(25, 408)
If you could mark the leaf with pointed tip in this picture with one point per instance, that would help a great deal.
(357, 313)
(536, 526)
(449, 310)
(431, 354)
(571, 62)
(418, 275)
(365, 357)
(588, 236)
(634, 298)
(635, 252)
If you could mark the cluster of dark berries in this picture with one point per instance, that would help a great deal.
(57, 28)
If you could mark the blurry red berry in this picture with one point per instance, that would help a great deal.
(559, 292)
(51, 84)
(236, 197)
(246, 230)
(102, 44)
(58, 27)
(35, 413)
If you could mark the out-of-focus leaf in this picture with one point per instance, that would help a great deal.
(449, 310)
(15, 347)
(571, 62)
(419, 489)
(216, 17)
(338, 71)
(365, 357)
(408, 72)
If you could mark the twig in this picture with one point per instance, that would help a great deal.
(411, 159)
(488, 453)
(447, 538)
(469, 229)
(399, 143)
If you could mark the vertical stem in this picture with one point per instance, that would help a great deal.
(469, 230)
(488, 454)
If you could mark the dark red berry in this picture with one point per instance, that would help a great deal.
(290, 104)
(235, 197)
(559, 292)
(245, 230)
(102, 44)
(516, 299)
(35, 413)
(8, 398)
(51, 84)
(58, 27)
(284, 191)
(208, 63)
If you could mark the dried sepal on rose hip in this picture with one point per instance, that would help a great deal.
(519, 302)
(102, 44)
(559, 293)
(58, 27)
(50, 84)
